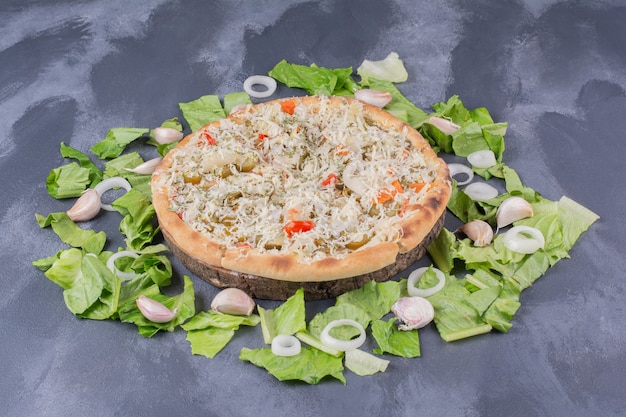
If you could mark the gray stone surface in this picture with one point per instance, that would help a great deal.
(554, 70)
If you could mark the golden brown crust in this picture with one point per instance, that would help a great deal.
(417, 223)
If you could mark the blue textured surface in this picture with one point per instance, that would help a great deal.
(554, 70)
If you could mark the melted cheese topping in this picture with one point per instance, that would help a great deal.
(323, 181)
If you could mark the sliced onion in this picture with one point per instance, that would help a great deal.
(109, 184)
(286, 345)
(268, 82)
(524, 239)
(480, 191)
(482, 159)
(342, 345)
(414, 278)
(115, 270)
(352, 181)
(456, 169)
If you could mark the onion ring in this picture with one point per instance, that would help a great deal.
(122, 254)
(342, 345)
(264, 80)
(414, 278)
(109, 184)
(482, 159)
(286, 345)
(456, 169)
(480, 191)
(514, 239)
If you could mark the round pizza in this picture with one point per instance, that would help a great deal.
(324, 193)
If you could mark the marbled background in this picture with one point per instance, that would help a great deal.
(70, 70)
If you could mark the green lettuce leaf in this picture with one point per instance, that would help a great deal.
(69, 180)
(138, 225)
(184, 303)
(314, 79)
(119, 167)
(90, 290)
(389, 69)
(310, 365)
(400, 106)
(363, 363)
(288, 318)
(71, 234)
(116, 141)
(234, 99)
(95, 174)
(202, 111)
(209, 332)
(376, 298)
(394, 341)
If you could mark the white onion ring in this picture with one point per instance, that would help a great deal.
(342, 345)
(109, 184)
(263, 80)
(482, 159)
(286, 345)
(122, 254)
(514, 239)
(414, 278)
(480, 191)
(456, 169)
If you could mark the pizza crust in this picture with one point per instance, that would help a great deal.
(271, 273)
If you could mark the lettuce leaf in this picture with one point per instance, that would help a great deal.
(67, 181)
(71, 234)
(314, 79)
(209, 332)
(310, 365)
(234, 99)
(288, 318)
(138, 225)
(391, 69)
(394, 341)
(183, 302)
(116, 141)
(363, 363)
(202, 111)
(119, 167)
(95, 174)
(90, 290)
(400, 106)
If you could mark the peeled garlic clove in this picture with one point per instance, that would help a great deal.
(86, 207)
(147, 167)
(479, 231)
(374, 97)
(413, 312)
(154, 310)
(445, 125)
(164, 135)
(511, 210)
(233, 301)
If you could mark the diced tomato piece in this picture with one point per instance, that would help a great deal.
(262, 136)
(331, 180)
(341, 150)
(207, 137)
(389, 193)
(298, 226)
(288, 106)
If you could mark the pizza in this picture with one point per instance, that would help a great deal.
(318, 192)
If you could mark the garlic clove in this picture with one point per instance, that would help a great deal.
(445, 125)
(155, 311)
(164, 135)
(86, 207)
(147, 167)
(413, 312)
(374, 97)
(233, 301)
(512, 209)
(479, 231)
